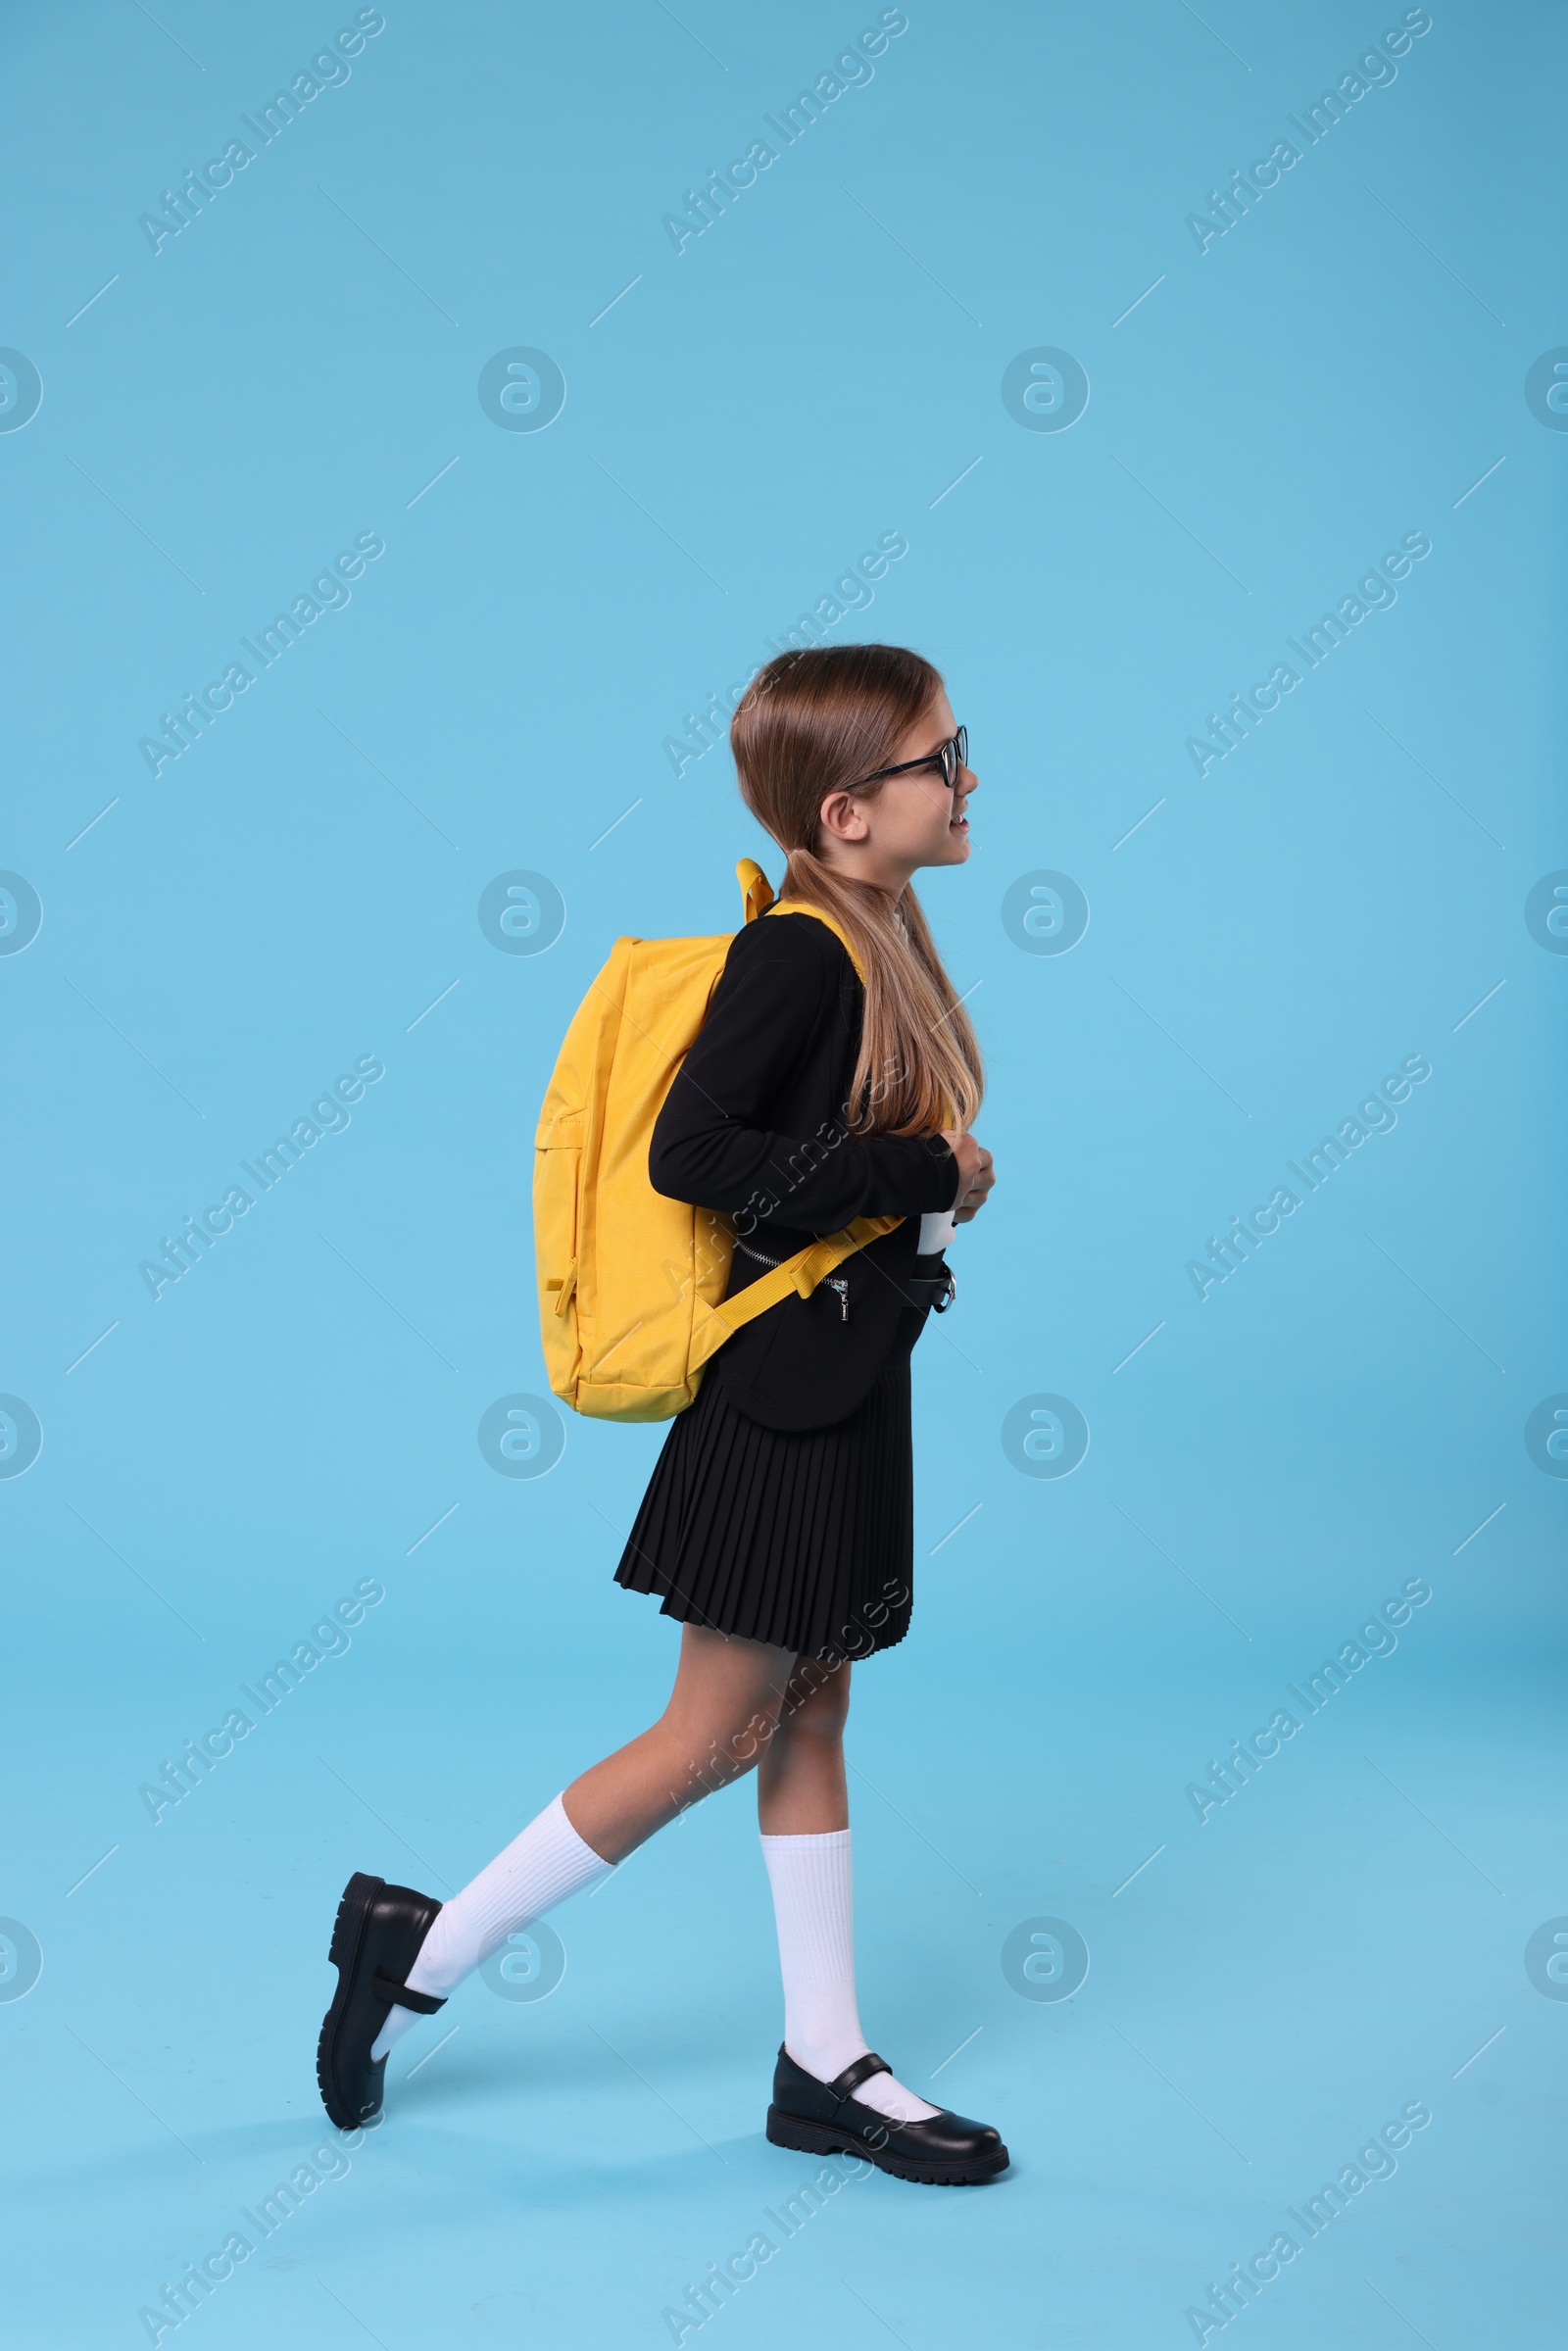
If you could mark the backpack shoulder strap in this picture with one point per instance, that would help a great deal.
(798, 905)
(756, 898)
(799, 1274)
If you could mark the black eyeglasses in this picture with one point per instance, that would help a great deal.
(950, 756)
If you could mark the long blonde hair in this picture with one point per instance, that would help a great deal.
(810, 723)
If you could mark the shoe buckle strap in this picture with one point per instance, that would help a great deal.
(849, 2081)
(387, 1988)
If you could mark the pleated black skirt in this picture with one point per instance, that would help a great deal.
(804, 1540)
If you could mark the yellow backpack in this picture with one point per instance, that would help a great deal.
(631, 1285)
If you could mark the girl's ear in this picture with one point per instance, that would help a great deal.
(843, 815)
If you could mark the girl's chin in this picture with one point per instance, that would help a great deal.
(953, 849)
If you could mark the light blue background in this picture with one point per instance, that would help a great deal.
(300, 889)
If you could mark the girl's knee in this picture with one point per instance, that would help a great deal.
(816, 1703)
(726, 1745)
(750, 1741)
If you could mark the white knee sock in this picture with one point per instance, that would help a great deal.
(536, 1871)
(813, 1905)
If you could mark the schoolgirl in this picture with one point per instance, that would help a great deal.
(777, 1528)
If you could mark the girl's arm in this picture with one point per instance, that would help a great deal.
(709, 1144)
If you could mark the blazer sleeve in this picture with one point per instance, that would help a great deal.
(713, 1144)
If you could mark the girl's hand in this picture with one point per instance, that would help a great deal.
(975, 1176)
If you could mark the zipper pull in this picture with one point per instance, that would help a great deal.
(837, 1281)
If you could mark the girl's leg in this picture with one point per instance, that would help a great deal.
(720, 1714)
(799, 1782)
(719, 1720)
(803, 1808)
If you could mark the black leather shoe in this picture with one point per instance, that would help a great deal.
(823, 2117)
(375, 1940)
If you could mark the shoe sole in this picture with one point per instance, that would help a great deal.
(348, 1937)
(816, 2138)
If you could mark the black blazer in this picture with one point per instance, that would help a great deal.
(754, 1125)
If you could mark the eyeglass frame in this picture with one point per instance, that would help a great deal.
(956, 743)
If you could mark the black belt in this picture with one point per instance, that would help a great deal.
(935, 1292)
